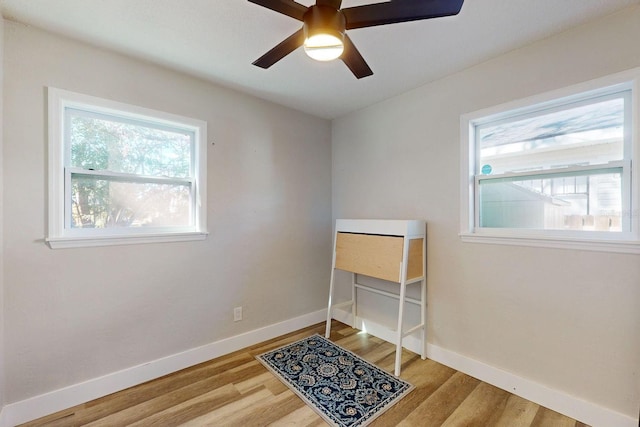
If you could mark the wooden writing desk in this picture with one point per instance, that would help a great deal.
(392, 250)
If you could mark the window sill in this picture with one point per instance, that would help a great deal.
(616, 246)
(83, 242)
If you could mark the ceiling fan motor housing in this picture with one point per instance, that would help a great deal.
(324, 20)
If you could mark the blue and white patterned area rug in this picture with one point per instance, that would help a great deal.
(343, 388)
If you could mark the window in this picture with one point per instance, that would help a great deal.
(122, 174)
(555, 170)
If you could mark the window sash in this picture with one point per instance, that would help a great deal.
(557, 106)
(188, 182)
(556, 173)
(621, 167)
(128, 177)
(92, 112)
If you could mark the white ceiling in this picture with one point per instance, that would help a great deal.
(219, 39)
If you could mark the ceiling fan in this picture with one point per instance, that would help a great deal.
(324, 25)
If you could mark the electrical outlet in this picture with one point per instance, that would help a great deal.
(237, 314)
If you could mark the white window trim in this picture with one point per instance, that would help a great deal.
(60, 238)
(593, 241)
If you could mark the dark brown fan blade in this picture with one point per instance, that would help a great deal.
(335, 4)
(396, 11)
(354, 60)
(287, 46)
(286, 7)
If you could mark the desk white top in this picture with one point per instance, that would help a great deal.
(391, 227)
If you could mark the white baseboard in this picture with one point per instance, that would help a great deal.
(57, 400)
(574, 407)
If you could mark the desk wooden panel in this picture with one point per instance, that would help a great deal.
(378, 256)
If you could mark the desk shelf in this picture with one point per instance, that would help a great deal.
(391, 250)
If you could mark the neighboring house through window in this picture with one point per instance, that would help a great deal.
(122, 174)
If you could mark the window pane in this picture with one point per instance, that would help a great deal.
(104, 143)
(583, 202)
(102, 203)
(579, 135)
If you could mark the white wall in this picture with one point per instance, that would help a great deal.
(568, 320)
(2, 357)
(76, 314)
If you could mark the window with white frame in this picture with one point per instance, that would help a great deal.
(555, 170)
(122, 174)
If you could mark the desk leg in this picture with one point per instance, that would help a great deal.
(403, 287)
(423, 298)
(423, 315)
(354, 279)
(327, 331)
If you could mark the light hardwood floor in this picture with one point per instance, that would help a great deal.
(236, 390)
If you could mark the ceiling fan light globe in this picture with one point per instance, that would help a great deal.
(323, 47)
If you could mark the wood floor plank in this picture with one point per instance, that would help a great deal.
(343, 329)
(266, 379)
(388, 363)
(227, 411)
(237, 390)
(430, 376)
(172, 414)
(267, 411)
(375, 353)
(135, 395)
(546, 417)
(478, 407)
(439, 405)
(174, 397)
(518, 412)
(303, 416)
(233, 414)
(59, 419)
(358, 344)
(427, 374)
